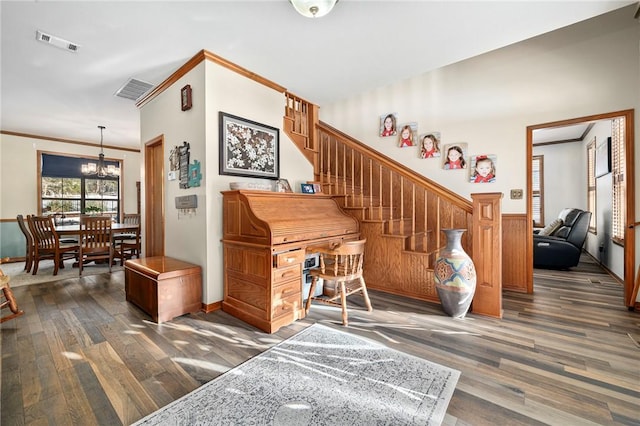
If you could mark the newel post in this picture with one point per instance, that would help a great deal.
(487, 253)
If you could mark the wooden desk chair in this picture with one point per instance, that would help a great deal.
(47, 243)
(95, 240)
(7, 299)
(342, 264)
(29, 247)
(127, 244)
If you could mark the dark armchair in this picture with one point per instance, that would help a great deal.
(559, 245)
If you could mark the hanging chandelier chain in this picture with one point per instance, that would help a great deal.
(100, 169)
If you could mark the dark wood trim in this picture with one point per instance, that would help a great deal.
(70, 141)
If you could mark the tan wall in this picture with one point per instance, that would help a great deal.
(215, 88)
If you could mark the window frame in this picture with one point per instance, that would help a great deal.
(618, 174)
(83, 180)
(592, 189)
(539, 192)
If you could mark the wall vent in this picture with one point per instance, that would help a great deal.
(57, 42)
(133, 89)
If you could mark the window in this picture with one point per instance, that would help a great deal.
(618, 173)
(591, 184)
(65, 191)
(537, 180)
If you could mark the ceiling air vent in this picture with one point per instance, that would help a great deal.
(57, 41)
(133, 89)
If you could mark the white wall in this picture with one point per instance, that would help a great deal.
(488, 101)
(565, 177)
(215, 88)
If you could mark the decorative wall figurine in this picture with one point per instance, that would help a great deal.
(454, 156)
(407, 135)
(183, 155)
(483, 168)
(429, 145)
(388, 124)
(194, 174)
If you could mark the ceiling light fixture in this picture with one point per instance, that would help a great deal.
(313, 8)
(101, 169)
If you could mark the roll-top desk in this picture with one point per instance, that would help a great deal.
(265, 237)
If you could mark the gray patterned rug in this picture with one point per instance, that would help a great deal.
(320, 376)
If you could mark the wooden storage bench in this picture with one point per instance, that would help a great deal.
(163, 287)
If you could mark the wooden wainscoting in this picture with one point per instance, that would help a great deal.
(515, 261)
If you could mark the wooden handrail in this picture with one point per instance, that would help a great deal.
(401, 212)
(399, 168)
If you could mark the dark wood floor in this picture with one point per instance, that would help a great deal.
(562, 356)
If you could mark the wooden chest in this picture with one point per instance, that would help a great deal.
(163, 287)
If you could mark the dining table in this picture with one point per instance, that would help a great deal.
(74, 229)
(116, 228)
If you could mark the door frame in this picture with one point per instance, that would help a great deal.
(629, 234)
(154, 199)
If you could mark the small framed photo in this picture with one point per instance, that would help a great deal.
(407, 135)
(454, 156)
(317, 188)
(483, 168)
(185, 97)
(388, 123)
(307, 188)
(282, 185)
(429, 145)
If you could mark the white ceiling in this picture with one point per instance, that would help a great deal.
(360, 45)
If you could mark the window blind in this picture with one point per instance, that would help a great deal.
(67, 167)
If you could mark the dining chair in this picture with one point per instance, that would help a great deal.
(127, 244)
(341, 264)
(95, 240)
(47, 243)
(29, 246)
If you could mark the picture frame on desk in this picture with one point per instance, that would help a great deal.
(307, 188)
(282, 185)
(248, 148)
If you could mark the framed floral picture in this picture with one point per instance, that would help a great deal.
(248, 148)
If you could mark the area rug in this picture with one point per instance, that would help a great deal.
(45, 272)
(320, 376)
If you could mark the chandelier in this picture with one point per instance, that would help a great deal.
(313, 8)
(100, 169)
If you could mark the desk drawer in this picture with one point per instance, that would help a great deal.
(285, 274)
(289, 258)
(288, 289)
(286, 300)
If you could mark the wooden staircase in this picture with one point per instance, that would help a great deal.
(401, 213)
